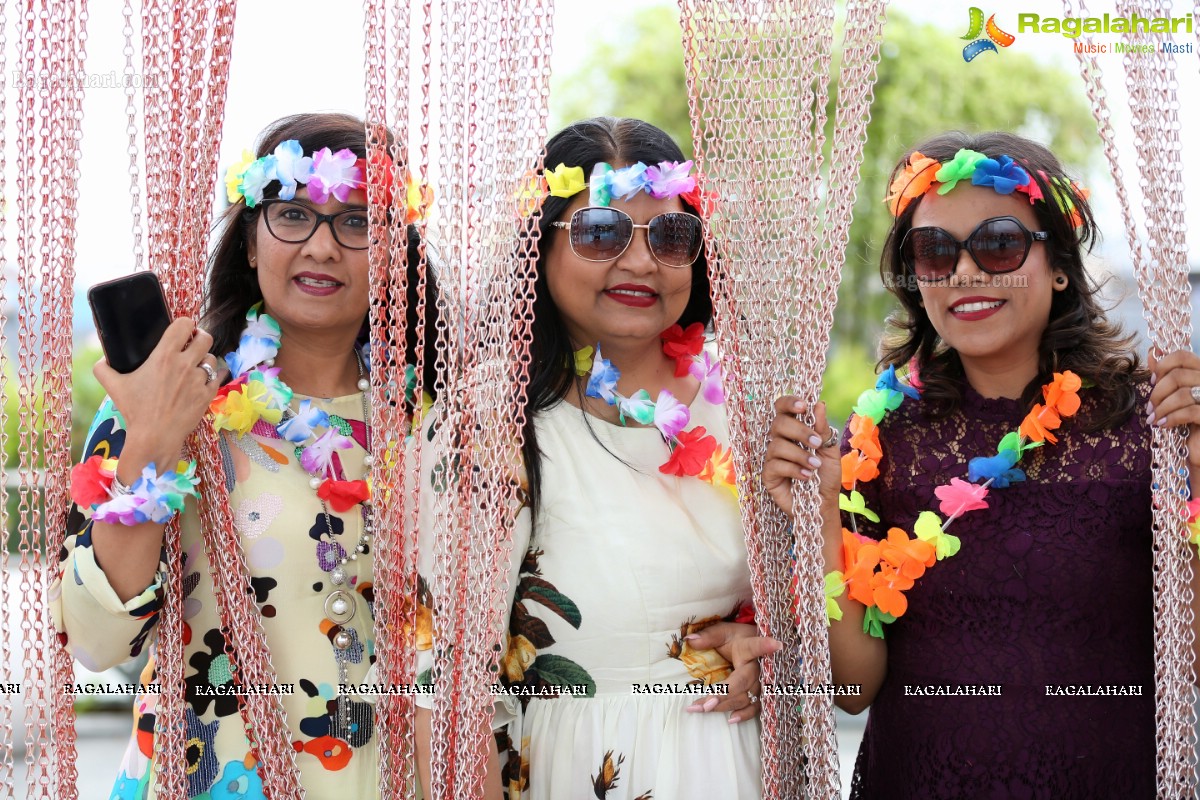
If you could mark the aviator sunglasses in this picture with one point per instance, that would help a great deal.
(601, 234)
(997, 246)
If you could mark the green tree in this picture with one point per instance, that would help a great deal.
(639, 76)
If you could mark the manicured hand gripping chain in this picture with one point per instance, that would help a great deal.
(877, 573)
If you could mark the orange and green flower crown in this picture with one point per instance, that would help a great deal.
(922, 174)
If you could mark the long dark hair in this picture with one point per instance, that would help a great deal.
(1078, 337)
(233, 287)
(584, 144)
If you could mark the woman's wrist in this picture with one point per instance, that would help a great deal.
(138, 452)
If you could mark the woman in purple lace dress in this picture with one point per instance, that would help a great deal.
(1022, 666)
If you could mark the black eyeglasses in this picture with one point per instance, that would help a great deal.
(997, 246)
(295, 223)
(602, 234)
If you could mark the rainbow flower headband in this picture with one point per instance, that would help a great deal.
(666, 179)
(324, 173)
(1003, 174)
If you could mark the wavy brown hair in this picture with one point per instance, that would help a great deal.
(1079, 336)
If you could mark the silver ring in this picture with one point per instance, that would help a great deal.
(753, 697)
(1195, 393)
(209, 371)
(835, 436)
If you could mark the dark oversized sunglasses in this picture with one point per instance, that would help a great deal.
(602, 234)
(997, 246)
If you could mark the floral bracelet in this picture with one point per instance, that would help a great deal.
(152, 498)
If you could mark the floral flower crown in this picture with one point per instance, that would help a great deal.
(666, 179)
(324, 173)
(1003, 174)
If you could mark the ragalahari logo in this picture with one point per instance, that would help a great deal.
(994, 36)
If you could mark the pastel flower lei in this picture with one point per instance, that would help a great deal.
(255, 393)
(152, 498)
(1003, 174)
(692, 452)
(878, 573)
(325, 173)
(664, 180)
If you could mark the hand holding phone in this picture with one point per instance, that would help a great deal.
(162, 404)
(131, 316)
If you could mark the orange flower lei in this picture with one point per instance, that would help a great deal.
(877, 573)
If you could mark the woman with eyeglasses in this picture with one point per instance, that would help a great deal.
(630, 588)
(286, 306)
(990, 575)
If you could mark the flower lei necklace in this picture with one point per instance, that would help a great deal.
(692, 452)
(878, 573)
(256, 393)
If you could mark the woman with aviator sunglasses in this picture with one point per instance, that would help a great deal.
(630, 584)
(989, 567)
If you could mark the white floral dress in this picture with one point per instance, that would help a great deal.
(623, 563)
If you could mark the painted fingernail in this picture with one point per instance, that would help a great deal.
(814, 440)
(1150, 418)
(692, 709)
(1153, 379)
(1149, 407)
(806, 473)
(734, 719)
(691, 637)
(798, 406)
(1161, 422)
(814, 462)
(709, 705)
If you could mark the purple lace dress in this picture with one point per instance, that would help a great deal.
(1052, 587)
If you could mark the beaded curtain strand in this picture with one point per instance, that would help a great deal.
(51, 45)
(491, 117)
(1159, 255)
(390, 60)
(185, 69)
(758, 77)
